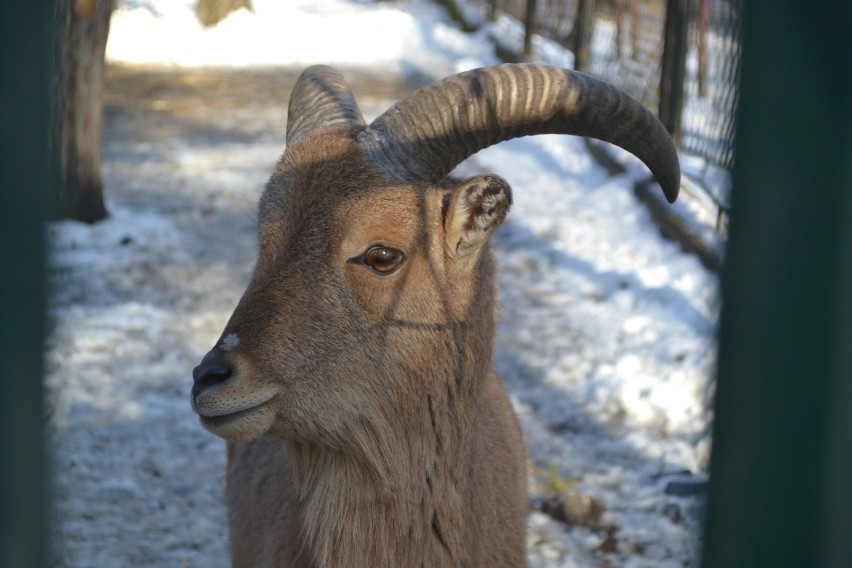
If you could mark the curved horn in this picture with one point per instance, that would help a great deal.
(321, 98)
(427, 134)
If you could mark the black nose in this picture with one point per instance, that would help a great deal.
(212, 371)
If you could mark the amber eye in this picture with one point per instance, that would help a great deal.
(383, 260)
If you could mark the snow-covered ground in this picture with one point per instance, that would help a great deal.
(606, 340)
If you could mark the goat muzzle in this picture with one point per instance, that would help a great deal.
(212, 371)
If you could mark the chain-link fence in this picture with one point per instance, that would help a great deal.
(712, 81)
(625, 42)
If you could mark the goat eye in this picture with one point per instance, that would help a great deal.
(383, 260)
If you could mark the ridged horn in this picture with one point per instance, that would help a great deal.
(424, 136)
(321, 98)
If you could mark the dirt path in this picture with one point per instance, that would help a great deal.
(159, 103)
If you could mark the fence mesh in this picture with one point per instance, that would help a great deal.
(627, 49)
(713, 68)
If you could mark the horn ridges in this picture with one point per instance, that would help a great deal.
(424, 136)
(321, 98)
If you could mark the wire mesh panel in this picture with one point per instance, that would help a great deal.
(554, 19)
(712, 76)
(626, 48)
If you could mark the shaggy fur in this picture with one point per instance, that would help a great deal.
(353, 381)
(387, 441)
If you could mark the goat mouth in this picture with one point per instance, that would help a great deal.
(223, 419)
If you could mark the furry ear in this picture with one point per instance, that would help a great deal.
(475, 209)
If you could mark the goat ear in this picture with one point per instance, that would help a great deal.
(474, 210)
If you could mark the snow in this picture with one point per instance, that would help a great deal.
(229, 342)
(606, 335)
(295, 33)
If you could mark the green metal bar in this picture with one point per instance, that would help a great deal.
(24, 109)
(781, 470)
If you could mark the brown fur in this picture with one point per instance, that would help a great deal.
(365, 425)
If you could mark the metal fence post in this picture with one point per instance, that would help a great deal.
(583, 27)
(494, 10)
(530, 26)
(25, 55)
(781, 471)
(673, 71)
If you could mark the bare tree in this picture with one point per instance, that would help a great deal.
(82, 28)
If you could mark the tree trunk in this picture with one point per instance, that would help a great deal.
(82, 27)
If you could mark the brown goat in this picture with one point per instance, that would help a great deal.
(353, 382)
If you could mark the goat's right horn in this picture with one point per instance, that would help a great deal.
(424, 136)
(321, 99)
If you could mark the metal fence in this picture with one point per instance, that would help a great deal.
(624, 42)
(712, 81)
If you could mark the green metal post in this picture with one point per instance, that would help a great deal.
(781, 470)
(25, 55)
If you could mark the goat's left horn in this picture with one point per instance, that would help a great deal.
(321, 98)
(424, 136)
